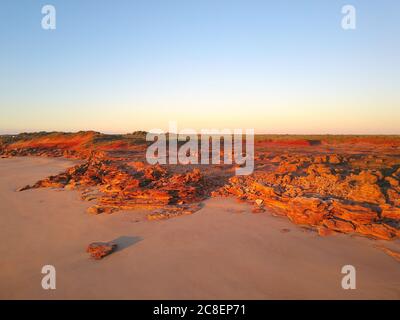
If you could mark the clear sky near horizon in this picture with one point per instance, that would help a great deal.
(275, 66)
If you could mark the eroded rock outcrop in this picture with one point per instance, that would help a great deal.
(333, 184)
(354, 194)
(123, 187)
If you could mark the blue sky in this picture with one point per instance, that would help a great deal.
(275, 66)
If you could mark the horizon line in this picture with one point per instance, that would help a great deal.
(11, 133)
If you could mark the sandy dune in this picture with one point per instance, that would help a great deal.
(222, 251)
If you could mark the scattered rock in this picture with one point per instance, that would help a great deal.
(168, 212)
(258, 209)
(95, 210)
(99, 250)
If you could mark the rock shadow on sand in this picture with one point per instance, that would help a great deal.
(124, 242)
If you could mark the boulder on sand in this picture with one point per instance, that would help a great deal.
(99, 250)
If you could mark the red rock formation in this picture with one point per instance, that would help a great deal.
(330, 192)
(334, 184)
(124, 187)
